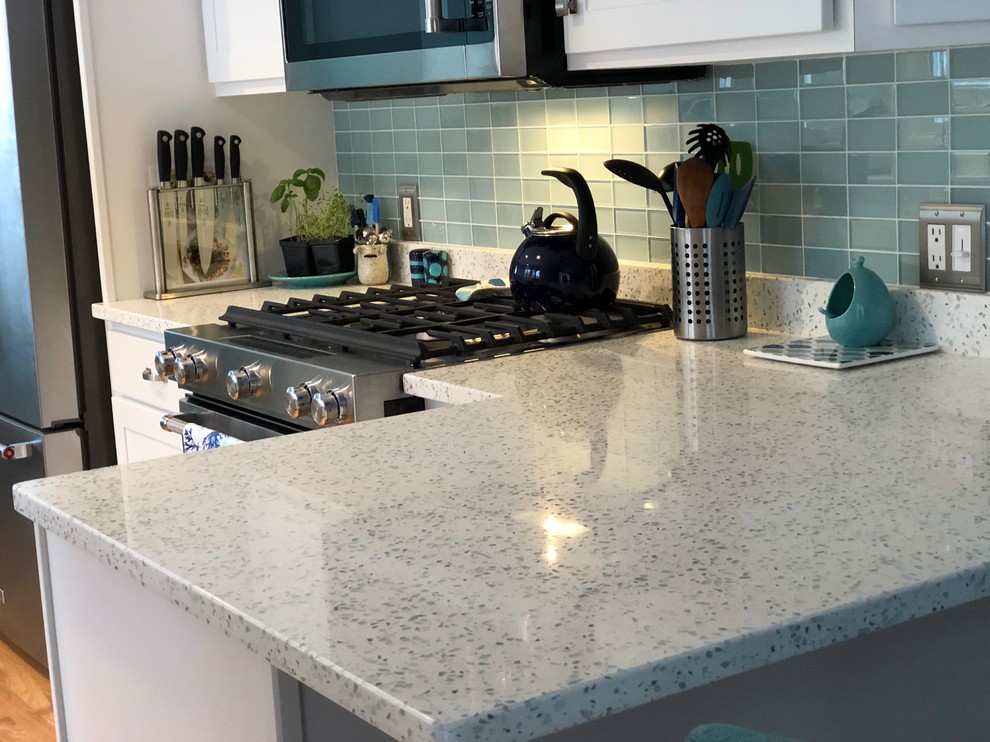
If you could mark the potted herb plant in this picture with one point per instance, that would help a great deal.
(321, 242)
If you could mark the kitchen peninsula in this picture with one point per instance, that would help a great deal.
(585, 531)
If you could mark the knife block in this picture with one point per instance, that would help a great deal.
(226, 213)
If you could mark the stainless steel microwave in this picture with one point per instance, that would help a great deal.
(354, 49)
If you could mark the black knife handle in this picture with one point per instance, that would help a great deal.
(181, 157)
(164, 157)
(218, 157)
(235, 157)
(198, 159)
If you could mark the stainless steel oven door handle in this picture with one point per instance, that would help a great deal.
(436, 23)
(14, 451)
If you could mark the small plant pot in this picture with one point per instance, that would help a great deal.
(333, 256)
(298, 257)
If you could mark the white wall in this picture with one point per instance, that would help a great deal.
(144, 69)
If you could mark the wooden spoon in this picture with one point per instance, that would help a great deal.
(694, 183)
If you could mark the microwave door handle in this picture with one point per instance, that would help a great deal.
(436, 23)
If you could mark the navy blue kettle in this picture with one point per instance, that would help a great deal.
(564, 267)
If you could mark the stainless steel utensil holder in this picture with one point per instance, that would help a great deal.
(175, 241)
(709, 266)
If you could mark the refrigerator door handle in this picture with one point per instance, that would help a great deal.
(12, 451)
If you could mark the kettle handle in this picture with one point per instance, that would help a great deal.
(587, 229)
(565, 215)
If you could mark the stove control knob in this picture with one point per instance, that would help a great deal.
(165, 363)
(298, 400)
(245, 383)
(189, 369)
(329, 407)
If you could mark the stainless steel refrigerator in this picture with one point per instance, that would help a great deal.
(54, 387)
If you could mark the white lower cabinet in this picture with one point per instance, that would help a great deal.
(138, 402)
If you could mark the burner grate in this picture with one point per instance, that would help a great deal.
(421, 323)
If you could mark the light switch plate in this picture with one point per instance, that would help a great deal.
(948, 222)
(409, 227)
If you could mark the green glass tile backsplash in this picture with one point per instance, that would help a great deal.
(846, 148)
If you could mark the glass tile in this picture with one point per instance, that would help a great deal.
(484, 236)
(481, 164)
(824, 71)
(533, 140)
(479, 140)
(870, 101)
(363, 164)
(459, 211)
(877, 168)
(382, 142)
(452, 117)
(591, 93)
(781, 230)
(877, 201)
(922, 65)
(629, 195)
(505, 140)
(703, 85)
(871, 135)
(532, 164)
(629, 221)
(823, 136)
(660, 250)
(478, 115)
(561, 112)
(971, 196)
(627, 138)
(343, 141)
(453, 140)
(829, 167)
(740, 131)
(504, 114)
(778, 136)
(787, 261)
(868, 68)
(735, 106)
(696, 107)
(459, 234)
(432, 209)
(594, 139)
(825, 200)
(532, 113)
(454, 163)
(908, 198)
(970, 96)
(923, 132)
(908, 235)
(483, 212)
(345, 162)
(360, 120)
(873, 234)
(777, 105)
(971, 132)
(341, 118)
(434, 231)
(428, 140)
(405, 163)
(404, 118)
(779, 168)
(662, 138)
(628, 247)
(510, 215)
(823, 103)
(405, 140)
(592, 111)
(970, 168)
(361, 141)
(922, 168)
(777, 74)
(660, 109)
(559, 93)
(428, 118)
(536, 192)
(825, 232)
(507, 166)
(884, 265)
(909, 270)
(433, 186)
(508, 190)
(780, 199)
(821, 263)
(659, 88)
(734, 77)
(626, 110)
(922, 98)
(970, 62)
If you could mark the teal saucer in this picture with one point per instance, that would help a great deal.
(310, 282)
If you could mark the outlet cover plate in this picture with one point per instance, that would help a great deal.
(948, 215)
(409, 224)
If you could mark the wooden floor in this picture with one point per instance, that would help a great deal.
(25, 701)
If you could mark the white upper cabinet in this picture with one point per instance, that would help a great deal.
(640, 33)
(621, 33)
(244, 46)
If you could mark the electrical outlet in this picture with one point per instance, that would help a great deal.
(936, 247)
(409, 227)
(952, 240)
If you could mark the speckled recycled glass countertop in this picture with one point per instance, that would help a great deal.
(604, 525)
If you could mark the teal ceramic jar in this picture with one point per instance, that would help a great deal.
(859, 312)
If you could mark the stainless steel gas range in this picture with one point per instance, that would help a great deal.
(331, 360)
